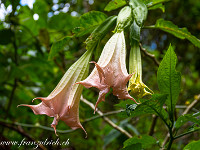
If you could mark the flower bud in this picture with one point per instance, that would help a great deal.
(124, 18)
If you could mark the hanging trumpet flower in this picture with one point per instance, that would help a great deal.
(110, 70)
(63, 102)
(136, 86)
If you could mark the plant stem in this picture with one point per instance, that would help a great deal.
(183, 134)
(171, 138)
(170, 144)
(150, 27)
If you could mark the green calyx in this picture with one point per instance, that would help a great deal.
(140, 11)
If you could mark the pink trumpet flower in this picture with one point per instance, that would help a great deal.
(110, 70)
(63, 102)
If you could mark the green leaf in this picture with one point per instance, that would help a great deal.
(6, 36)
(100, 31)
(181, 33)
(158, 6)
(88, 22)
(145, 140)
(113, 134)
(169, 79)
(41, 8)
(152, 106)
(137, 146)
(187, 117)
(58, 46)
(26, 20)
(194, 145)
(123, 104)
(151, 3)
(114, 4)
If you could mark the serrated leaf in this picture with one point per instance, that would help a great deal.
(158, 6)
(169, 79)
(145, 140)
(181, 33)
(114, 4)
(194, 145)
(187, 117)
(88, 22)
(100, 31)
(58, 46)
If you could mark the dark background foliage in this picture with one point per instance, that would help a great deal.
(26, 72)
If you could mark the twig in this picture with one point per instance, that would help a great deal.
(188, 108)
(70, 130)
(151, 131)
(104, 114)
(183, 107)
(149, 55)
(59, 131)
(183, 134)
(22, 132)
(191, 105)
(106, 118)
(59, 66)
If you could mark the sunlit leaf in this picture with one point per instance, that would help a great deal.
(114, 4)
(151, 3)
(158, 6)
(88, 22)
(181, 33)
